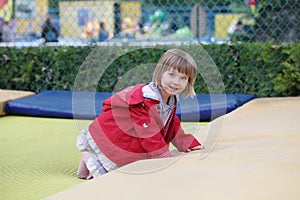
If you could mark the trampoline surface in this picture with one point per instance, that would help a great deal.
(39, 155)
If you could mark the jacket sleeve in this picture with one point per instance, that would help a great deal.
(156, 146)
(183, 141)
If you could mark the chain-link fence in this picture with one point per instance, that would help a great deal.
(76, 22)
(254, 43)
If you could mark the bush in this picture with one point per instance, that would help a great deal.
(246, 68)
(287, 82)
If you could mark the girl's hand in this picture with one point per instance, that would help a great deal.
(199, 147)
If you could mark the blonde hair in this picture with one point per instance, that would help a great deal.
(182, 62)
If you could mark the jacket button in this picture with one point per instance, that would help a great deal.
(145, 125)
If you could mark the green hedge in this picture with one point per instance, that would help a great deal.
(43, 68)
(246, 68)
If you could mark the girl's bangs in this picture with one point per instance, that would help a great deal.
(183, 66)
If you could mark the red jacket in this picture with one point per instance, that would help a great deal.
(130, 129)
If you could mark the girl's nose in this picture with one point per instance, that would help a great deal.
(176, 80)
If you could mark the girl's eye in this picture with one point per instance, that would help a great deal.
(171, 74)
(184, 78)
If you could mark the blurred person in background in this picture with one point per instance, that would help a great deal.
(1, 29)
(9, 31)
(49, 32)
(103, 33)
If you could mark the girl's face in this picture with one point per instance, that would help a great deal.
(173, 83)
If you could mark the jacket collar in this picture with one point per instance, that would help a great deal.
(135, 96)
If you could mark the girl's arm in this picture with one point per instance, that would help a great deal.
(182, 141)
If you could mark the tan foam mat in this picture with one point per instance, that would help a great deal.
(256, 156)
(9, 95)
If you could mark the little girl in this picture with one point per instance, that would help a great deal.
(140, 121)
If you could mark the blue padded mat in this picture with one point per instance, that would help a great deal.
(87, 105)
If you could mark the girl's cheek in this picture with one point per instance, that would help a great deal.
(184, 82)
